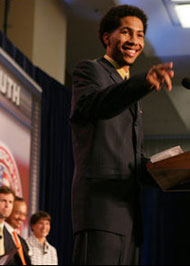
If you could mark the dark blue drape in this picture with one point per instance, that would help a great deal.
(167, 228)
(56, 163)
(166, 215)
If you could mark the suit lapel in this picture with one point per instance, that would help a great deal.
(25, 250)
(114, 75)
(9, 244)
(133, 110)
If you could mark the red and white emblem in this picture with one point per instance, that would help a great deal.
(9, 174)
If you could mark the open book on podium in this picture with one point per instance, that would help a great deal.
(171, 169)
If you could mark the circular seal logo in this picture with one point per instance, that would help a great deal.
(9, 174)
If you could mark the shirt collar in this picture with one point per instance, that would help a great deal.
(2, 225)
(121, 71)
(9, 228)
(36, 242)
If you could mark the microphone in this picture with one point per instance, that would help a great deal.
(186, 83)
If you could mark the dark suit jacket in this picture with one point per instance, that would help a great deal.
(107, 145)
(9, 245)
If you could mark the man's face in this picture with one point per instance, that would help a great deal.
(6, 205)
(18, 215)
(126, 43)
(42, 228)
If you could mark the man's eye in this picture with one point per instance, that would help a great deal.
(125, 32)
(141, 36)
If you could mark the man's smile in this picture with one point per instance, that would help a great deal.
(129, 51)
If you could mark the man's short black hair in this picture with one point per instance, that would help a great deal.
(39, 215)
(19, 199)
(112, 20)
(6, 190)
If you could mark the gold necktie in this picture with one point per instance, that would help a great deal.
(2, 246)
(19, 247)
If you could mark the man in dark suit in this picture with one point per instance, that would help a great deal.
(13, 224)
(6, 206)
(107, 140)
(7, 244)
(10, 245)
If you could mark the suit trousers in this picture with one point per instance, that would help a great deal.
(104, 248)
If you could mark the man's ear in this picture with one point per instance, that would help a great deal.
(106, 39)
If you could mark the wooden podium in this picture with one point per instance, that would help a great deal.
(172, 174)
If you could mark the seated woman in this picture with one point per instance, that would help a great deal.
(41, 252)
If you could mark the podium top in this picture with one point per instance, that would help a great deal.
(172, 174)
(181, 161)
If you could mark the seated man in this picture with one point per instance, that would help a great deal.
(42, 253)
(14, 224)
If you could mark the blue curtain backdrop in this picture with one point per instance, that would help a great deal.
(166, 215)
(56, 163)
(166, 227)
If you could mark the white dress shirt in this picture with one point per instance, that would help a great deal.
(10, 229)
(41, 254)
(2, 244)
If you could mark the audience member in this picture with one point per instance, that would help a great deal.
(7, 244)
(6, 207)
(19, 214)
(14, 224)
(42, 253)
